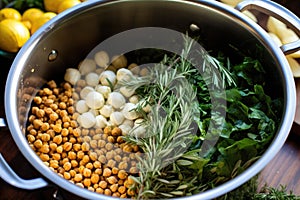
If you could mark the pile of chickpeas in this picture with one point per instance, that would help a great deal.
(88, 151)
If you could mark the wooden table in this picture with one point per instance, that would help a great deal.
(283, 169)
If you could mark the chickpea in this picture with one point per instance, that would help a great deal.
(86, 172)
(86, 159)
(80, 154)
(72, 173)
(98, 171)
(111, 163)
(44, 157)
(99, 190)
(107, 192)
(44, 148)
(85, 146)
(122, 165)
(57, 127)
(106, 172)
(122, 189)
(103, 184)
(109, 146)
(38, 143)
(53, 146)
(95, 178)
(67, 146)
(74, 163)
(45, 137)
(67, 175)
(89, 166)
(93, 156)
(53, 164)
(101, 143)
(112, 180)
(87, 182)
(40, 113)
(116, 131)
(37, 123)
(72, 155)
(122, 174)
(30, 138)
(77, 177)
(76, 147)
(45, 126)
(64, 132)
(59, 149)
(57, 139)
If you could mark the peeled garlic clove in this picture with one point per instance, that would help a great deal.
(72, 75)
(116, 100)
(87, 66)
(119, 61)
(126, 91)
(124, 74)
(81, 106)
(108, 77)
(87, 120)
(104, 90)
(129, 111)
(101, 122)
(102, 59)
(92, 79)
(85, 91)
(134, 99)
(125, 129)
(106, 110)
(95, 100)
(116, 118)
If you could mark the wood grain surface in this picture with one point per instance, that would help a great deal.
(284, 169)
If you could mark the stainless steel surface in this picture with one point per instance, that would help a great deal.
(7, 174)
(73, 34)
(273, 9)
(2, 123)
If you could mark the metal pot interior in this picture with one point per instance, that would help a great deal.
(74, 34)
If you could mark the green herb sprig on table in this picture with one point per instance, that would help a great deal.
(250, 191)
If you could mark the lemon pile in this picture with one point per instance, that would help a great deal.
(16, 28)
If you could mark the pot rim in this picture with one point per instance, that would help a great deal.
(29, 154)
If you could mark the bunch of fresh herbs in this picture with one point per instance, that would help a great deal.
(224, 146)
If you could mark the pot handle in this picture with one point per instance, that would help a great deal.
(281, 13)
(8, 175)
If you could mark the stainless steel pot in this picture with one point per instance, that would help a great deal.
(67, 38)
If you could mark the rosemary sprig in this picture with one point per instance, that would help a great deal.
(169, 89)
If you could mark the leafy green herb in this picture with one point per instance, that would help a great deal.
(222, 148)
(22, 5)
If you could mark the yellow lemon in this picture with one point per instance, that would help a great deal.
(32, 14)
(52, 5)
(41, 21)
(14, 34)
(67, 4)
(10, 13)
(27, 24)
(49, 15)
